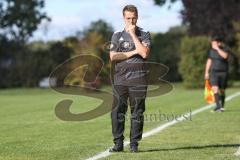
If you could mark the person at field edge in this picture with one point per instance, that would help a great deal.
(217, 71)
(128, 51)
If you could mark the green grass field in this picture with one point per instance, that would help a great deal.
(29, 129)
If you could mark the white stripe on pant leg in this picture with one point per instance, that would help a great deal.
(166, 125)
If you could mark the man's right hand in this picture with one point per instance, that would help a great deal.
(131, 29)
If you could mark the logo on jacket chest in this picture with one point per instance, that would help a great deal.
(126, 45)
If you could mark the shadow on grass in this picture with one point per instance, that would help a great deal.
(192, 147)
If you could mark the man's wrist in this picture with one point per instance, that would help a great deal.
(134, 52)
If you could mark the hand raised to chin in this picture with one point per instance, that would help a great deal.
(131, 29)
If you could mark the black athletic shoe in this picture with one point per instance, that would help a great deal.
(216, 110)
(134, 148)
(116, 148)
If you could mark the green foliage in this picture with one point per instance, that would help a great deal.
(101, 27)
(166, 50)
(236, 50)
(20, 18)
(25, 66)
(193, 58)
(162, 2)
(208, 17)
(21, 66)
(92, 41)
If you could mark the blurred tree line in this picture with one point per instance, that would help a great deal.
(202, 19)
(183, 48)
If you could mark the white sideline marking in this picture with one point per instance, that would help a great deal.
(164, 126)
(238, 152)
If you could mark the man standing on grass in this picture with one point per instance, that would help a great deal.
(129, 49)
(217, 71)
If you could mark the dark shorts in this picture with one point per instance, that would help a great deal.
(219, 79)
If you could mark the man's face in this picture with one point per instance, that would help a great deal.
(216, 43)
(130, 18)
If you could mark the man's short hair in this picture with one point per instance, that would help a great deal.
(130, 8)
(217, 38)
